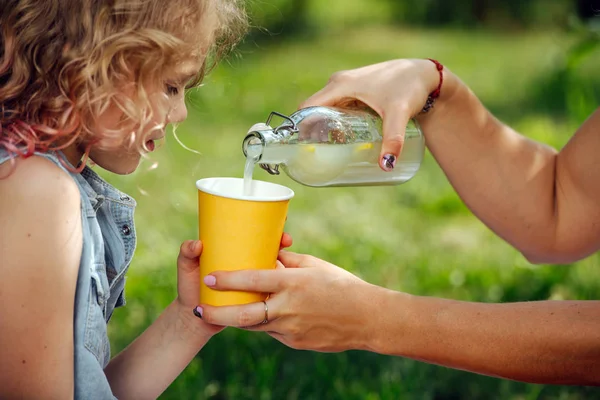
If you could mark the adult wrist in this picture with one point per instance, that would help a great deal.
(442, 84)
(387, 321)
(434, 93)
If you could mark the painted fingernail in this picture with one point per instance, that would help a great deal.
(198, 312)
(388, 162)
(210, 280)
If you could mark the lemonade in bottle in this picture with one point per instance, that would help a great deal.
(326, 146)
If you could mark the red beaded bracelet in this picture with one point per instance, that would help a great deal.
(436, 93)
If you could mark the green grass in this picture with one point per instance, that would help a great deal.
(417, 237)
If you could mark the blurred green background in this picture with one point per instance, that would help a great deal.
(533, 64)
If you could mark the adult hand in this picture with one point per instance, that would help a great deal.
(313, 304)
(397, 90)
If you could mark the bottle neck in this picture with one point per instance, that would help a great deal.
(262, 145)
(255, 144)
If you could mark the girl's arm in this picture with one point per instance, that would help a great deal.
(152, 362)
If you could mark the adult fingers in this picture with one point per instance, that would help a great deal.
(394, 127)
(340, 89)
(243, 316)
(279, 265)
(293, 260)
(249, 280)
(328, 96)
(394, 122)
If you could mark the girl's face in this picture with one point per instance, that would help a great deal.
(168, 106)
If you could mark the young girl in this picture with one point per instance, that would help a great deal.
(97, 80)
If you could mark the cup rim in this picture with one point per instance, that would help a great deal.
(201, 187)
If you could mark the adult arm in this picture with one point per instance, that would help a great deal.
(543, 202)
(315, 305)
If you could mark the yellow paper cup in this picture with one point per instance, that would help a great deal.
(239, 232)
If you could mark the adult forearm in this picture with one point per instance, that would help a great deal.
(552, 342)
(146, 367)
(506, 179)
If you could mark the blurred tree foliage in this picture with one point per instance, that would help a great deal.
(482, 13)
(278, 17)
(563, 91)
(291, 17)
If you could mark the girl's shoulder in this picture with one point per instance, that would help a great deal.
(40, 207)
(36, 183)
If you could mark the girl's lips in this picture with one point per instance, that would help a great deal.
(151, 142)
(150, 145)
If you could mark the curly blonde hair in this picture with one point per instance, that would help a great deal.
(65, 62)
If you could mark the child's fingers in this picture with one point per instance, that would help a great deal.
(286, 240)
(189, 252)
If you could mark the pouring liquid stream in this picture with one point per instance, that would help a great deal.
(251, 160)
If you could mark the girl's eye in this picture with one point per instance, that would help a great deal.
(172, 90)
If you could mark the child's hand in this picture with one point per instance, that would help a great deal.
(188, 285)
(286, 241)
(188, 280)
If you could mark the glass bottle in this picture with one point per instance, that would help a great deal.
(327, 146)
